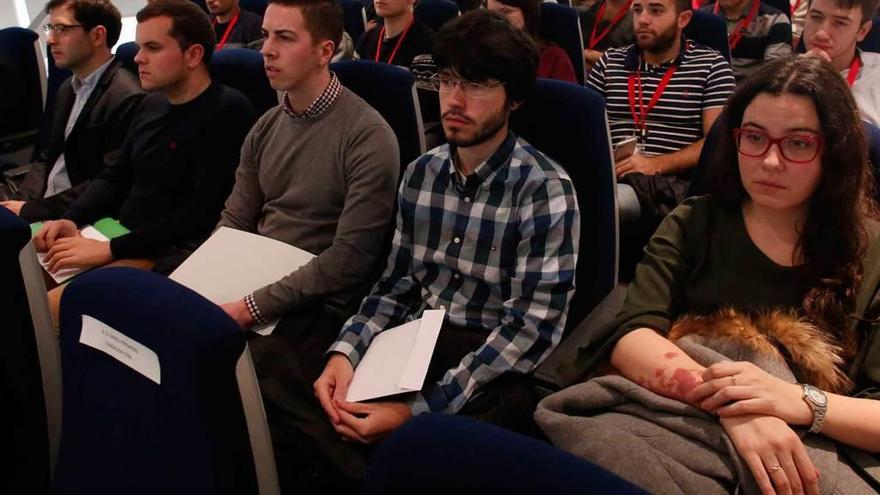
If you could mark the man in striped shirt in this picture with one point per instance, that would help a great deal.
(488, 229)
(756, 33)
(665, 92)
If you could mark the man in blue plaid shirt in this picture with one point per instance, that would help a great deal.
(487, 228)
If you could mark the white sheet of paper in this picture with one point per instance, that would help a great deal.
(232, 264)
(66, 274)
(119, 346)
(397, 359)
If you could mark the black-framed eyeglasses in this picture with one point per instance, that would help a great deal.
(444, 83)
(796, 148)
(60, 29)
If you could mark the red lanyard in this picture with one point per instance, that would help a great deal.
(635, 80)
(741, 27)
(594, 40)
(228, 30)
(794, 7)
(854, 68)
(396, 47)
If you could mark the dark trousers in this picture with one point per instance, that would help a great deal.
(311, 456)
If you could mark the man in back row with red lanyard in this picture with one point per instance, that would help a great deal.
(662, 95)
(756, 33)
(234, 27)
(399, 38)
(831, 31)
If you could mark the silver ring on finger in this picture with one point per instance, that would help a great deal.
(774, 468)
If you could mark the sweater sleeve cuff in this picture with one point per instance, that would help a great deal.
(270, 306)
(254, 310)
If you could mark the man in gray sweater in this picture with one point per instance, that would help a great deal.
(319, 172)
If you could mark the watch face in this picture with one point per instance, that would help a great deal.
(816, 396)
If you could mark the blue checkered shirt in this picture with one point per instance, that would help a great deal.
(498, 251)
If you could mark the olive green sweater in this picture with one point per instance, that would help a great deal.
(702, 259)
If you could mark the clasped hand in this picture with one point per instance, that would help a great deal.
(361, 422)
(67, 248)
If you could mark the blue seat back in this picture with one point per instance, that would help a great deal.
(185, 435)
(567, 122)
(561, 25)
(256, 6)
(435, 13)
(19, 51)
(391, 91)
(354, 18)
(242, 69)
(23, 422)
(708, 30)
(125, 53)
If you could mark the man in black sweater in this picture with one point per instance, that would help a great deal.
(176, 167)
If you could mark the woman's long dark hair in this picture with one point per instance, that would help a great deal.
(834, 237)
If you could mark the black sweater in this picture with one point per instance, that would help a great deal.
(172, 174)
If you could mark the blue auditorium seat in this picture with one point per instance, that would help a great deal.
(354, 18)
(22, 73)
(561, 25)
(708, 30)
(30, 377)
(125, 53)
(871, 43)
(435, 13)
(443, 454)
(198, 428)
(567, 122)
(256, 6)
(390, 90)
(242, 69)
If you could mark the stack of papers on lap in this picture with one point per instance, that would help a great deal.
(397, 359)
(232, 264)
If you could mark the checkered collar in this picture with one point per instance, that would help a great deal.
(321, 103)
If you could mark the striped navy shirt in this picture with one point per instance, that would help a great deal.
(702, 81)
(497, 250)
(767, 37)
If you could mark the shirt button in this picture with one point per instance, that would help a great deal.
(456, 240)
(467, 199)
(456, 276)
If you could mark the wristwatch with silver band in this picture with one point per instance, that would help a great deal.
(818, 403)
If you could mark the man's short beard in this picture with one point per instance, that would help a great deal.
(483, 133)
(662, 42)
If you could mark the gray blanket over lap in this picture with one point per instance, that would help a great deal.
(666, 446)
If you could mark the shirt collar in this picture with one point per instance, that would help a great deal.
(92, 79)
(324, 101)
(488, 167)
(634, 56)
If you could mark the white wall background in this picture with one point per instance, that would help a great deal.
(22, 13)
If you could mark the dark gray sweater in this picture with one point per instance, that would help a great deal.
(326, 185)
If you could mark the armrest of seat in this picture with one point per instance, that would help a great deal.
(554, 374)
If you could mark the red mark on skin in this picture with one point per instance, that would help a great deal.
(659, 372)
(685, 382)
(670, 355)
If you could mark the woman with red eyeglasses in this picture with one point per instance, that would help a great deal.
(779, 263)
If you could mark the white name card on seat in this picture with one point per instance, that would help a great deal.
(233, 263)
(121, 347)
(397, 359)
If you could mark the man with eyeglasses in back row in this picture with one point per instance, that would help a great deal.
(488, 229)
(94, 107)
